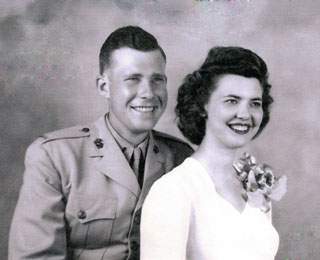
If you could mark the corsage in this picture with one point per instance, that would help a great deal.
(260, 186)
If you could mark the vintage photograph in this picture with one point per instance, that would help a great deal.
(159, 130)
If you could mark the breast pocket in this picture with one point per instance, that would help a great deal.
(90, 220)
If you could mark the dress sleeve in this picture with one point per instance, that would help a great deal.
(165, 222)
(38, 229)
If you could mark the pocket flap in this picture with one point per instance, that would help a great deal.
(89, 208)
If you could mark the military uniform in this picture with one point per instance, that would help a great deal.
(80, 199)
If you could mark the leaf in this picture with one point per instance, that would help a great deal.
(279, 189)
(255, 198)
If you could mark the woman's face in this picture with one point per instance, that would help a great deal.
(234, 111)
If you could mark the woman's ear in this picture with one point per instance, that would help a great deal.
(103, 85)
(204, 113)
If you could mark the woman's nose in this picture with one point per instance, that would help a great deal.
(243, 112)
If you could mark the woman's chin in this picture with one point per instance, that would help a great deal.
(238, 143)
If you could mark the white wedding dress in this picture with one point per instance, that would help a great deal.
(184, 218)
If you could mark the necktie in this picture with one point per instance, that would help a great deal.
(137, 164)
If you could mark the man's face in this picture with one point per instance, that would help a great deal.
(137, 93)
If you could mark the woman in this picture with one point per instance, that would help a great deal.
(211, 207)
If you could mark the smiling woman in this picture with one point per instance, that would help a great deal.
(234, 111)
(205, 210)
(196, 90)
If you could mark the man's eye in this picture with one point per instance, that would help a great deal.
(159, 80)
(132, 79)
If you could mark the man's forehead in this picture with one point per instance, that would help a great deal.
(128, 60)
(128, 55)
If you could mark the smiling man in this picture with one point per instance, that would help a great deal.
(135, 84)
(84, 186)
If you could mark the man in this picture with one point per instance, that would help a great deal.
(84, 186)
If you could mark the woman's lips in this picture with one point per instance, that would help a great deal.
(240, 128)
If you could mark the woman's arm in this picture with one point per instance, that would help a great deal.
(165, 222)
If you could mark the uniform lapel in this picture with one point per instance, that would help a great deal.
(154, 168)
(109, 158)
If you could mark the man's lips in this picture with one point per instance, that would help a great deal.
(144, 109)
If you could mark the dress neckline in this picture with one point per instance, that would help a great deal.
(205, 173)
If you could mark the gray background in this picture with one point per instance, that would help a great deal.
(49, 61)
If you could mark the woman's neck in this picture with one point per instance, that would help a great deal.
(217, 159)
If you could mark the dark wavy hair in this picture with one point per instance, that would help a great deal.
(130, 36)
(197, 87)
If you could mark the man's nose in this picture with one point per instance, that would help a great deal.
(146, 90)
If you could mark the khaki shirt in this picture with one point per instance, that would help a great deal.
(80, 199)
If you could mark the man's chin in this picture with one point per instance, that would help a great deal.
(143, 128)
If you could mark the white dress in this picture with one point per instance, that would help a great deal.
(184, 217)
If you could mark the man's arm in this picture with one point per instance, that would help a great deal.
(38, 228)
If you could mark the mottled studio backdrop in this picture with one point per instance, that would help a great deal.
(49, 61)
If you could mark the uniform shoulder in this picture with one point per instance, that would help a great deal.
(66, 133)
(172, 141)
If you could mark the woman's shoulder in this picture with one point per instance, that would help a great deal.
(172, 191)
(181, 179)
(182, 173)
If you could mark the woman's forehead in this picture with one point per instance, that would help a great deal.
(237, 85)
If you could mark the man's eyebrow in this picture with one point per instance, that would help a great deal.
(138, 75)
(160, 75)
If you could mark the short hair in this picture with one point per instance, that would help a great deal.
(197, 87)
(130, 36)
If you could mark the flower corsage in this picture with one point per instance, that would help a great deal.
(260, 186)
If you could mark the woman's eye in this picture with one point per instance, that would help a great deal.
(256, 104)
(232, 101)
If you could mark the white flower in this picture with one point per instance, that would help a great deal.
(259, 183)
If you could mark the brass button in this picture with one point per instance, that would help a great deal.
(85, 129)
(155, 149)
(99, 143)
(82, 214)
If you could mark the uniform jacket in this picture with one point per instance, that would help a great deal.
(80, 199)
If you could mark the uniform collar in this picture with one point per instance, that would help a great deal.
(111, 162)
(126, 147)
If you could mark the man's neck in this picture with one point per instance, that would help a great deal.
(132, 138)
(135, 140)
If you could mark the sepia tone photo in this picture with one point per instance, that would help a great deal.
(100, 100)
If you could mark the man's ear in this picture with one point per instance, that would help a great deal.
(103, 85)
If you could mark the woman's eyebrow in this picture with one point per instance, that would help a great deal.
(233, 96)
